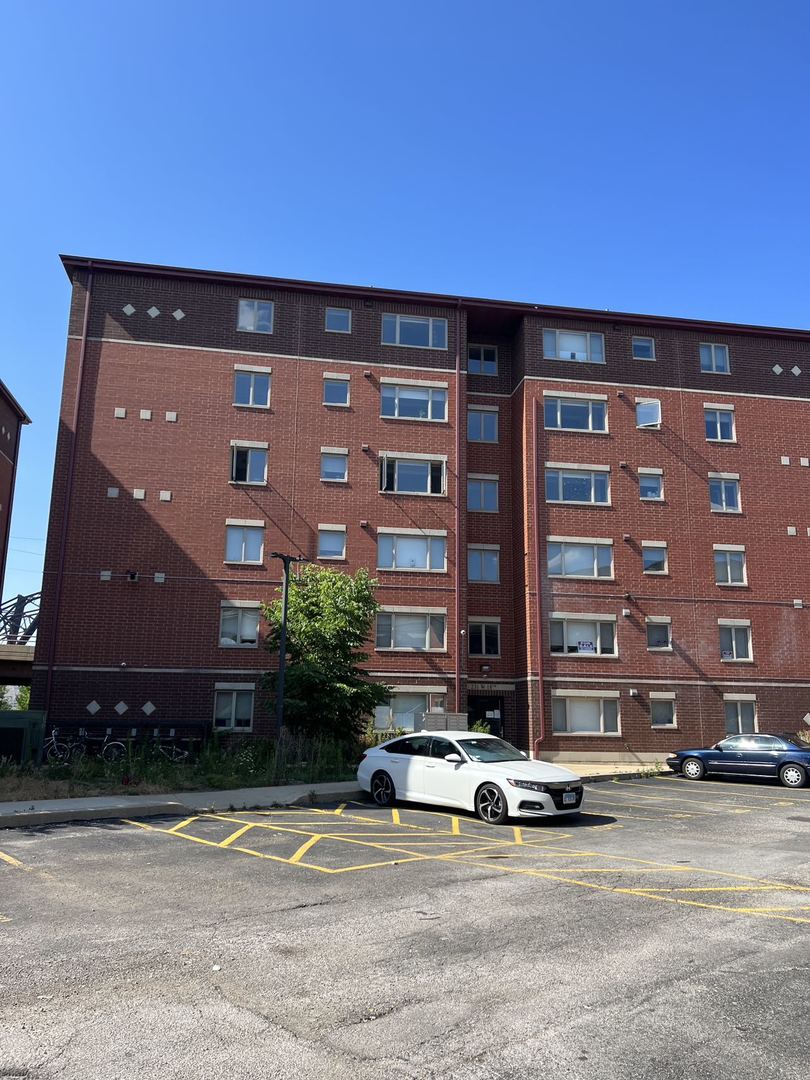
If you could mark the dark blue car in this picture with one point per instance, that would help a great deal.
(782, 756)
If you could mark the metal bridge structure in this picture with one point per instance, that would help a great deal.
(19, 618)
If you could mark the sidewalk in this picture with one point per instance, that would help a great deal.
(100, 808)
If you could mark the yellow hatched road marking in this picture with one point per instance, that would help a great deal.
(340, 809)
(182, 824)
(298, 856)
(455, 826)
(735, 808)
(782, 801)
(14, 862)
(665, 810)
(395, 817)
(518, 834)
(234, 836)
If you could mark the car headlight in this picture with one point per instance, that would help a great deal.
(529, 785)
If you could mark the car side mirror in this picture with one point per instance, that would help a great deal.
(454, 759)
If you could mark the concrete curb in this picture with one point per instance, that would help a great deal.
(31, 818)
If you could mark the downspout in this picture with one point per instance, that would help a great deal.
(60, 571)
(539, 638)
(460, 638)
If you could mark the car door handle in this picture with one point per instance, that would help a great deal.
(430, 766)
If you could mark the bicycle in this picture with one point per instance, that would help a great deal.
(74, 746)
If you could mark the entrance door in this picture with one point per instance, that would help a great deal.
(487, 710)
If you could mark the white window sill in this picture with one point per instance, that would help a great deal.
(328, 330)
(331, 558)
(656, 573)
(227, 730)
(663, 727)
(248, 483)
(330, 480)
(486, 374)
(742, 660)
(732, 584)
(415, 419)
(583, 656)
(481, 656)
(729, 442)
(241, 562)
(660, 648)
(579, 577)
(482, 442)
(711, 371)
(589, 734)
(399, 345)
(408, 570)
(418, 494)
(245, 405)
(568, 360)
(336, 404)
(716, 511)
(578, 502)
(478, 581)
(648, 427)
(646, 499)
(404, 649)
(575, 431)
(469, 511)
(238, 645)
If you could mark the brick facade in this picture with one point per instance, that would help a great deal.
(163, 344)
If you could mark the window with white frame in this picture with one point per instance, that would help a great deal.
(724, 493)
(651, 485)
(582, 635)
(568, 345)
(741, 714)
(735, 639)
(405, 708)
(659, 633)
(411, 631)
(414, 331)
(654, 556)
(580, 558)
(251, 387)
(593, 715)
(482, 360)
(643, 348)
(233, 706)
(331, 541)
(719, 422)
(484, 563)
(336, 390)
(412, 474)
(244, 542)
(338, 320)
(249, 463)
(256, 316)
(484, 637)
(648, 413)
(662, 710)
(482, 493)
(412, 551)
(334, 465)
(714, 358)
(404, 401)
(584, 484)
(482, 425)
(575, 414)
(239, 624)
(729, 565)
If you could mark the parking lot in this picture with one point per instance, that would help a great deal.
(663, 933)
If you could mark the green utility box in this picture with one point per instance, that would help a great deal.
(21, 736)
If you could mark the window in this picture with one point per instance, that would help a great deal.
(239, 624)
(583, 635)
(412, 475)
(482, 425)
(256, 316)
(573, 484)
(482, 494)
(662, 711)
(405, 402)
(643, 348)
(565, 345)
(741, 716)
(485, 637)
(408, 551)
(335, 391)
(405, 711)
(585, 715)
(251, 388)
(735, 639)
(339, 320)
(567, 558)
(414, 331)
(729, 565)
(331, 541)
(650, 485)
(482, 360)
(233, 707)
(244, 543)
(724, 493)
(335, 465)
(654, 557)
(648, 413)
(719, 424)
(575, 414)
(248, 463)
(418, 632)
(483, 563)
(659, 633)
(714, 358)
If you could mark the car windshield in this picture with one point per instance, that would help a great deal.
(490, 750)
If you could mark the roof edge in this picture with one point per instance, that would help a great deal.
(15, 405)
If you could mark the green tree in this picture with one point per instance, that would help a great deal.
(24, 698)
(329, 620)
(5, 699)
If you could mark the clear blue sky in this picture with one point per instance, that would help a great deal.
(641, 156)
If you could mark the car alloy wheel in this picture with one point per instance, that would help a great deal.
(693, 769)
(792, 776)
(382, 789)
(490, 804)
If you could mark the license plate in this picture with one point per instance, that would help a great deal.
(569, 798)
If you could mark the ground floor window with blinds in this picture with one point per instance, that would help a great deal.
(585, 716)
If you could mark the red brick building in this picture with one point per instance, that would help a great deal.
(12, 420)
(591, 526)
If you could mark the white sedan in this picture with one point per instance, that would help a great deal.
(468, 770)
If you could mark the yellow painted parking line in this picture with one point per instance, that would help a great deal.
(340, 809)
(14, 862)
(689, 800)
(455, 826)
(395, 817)
(518, 834)
(732, 790)
(234, 836)
(182, 824)
(298, 856)
(609, 796)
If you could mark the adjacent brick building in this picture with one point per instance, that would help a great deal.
(12, 420)
(589, 527)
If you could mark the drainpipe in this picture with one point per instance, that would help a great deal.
(60, 571)
(460, 639)
(539, 639)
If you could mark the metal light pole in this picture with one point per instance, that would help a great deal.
(286, 561)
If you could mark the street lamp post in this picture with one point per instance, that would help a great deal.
(286, 561)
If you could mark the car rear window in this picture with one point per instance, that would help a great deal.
(419, 746)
